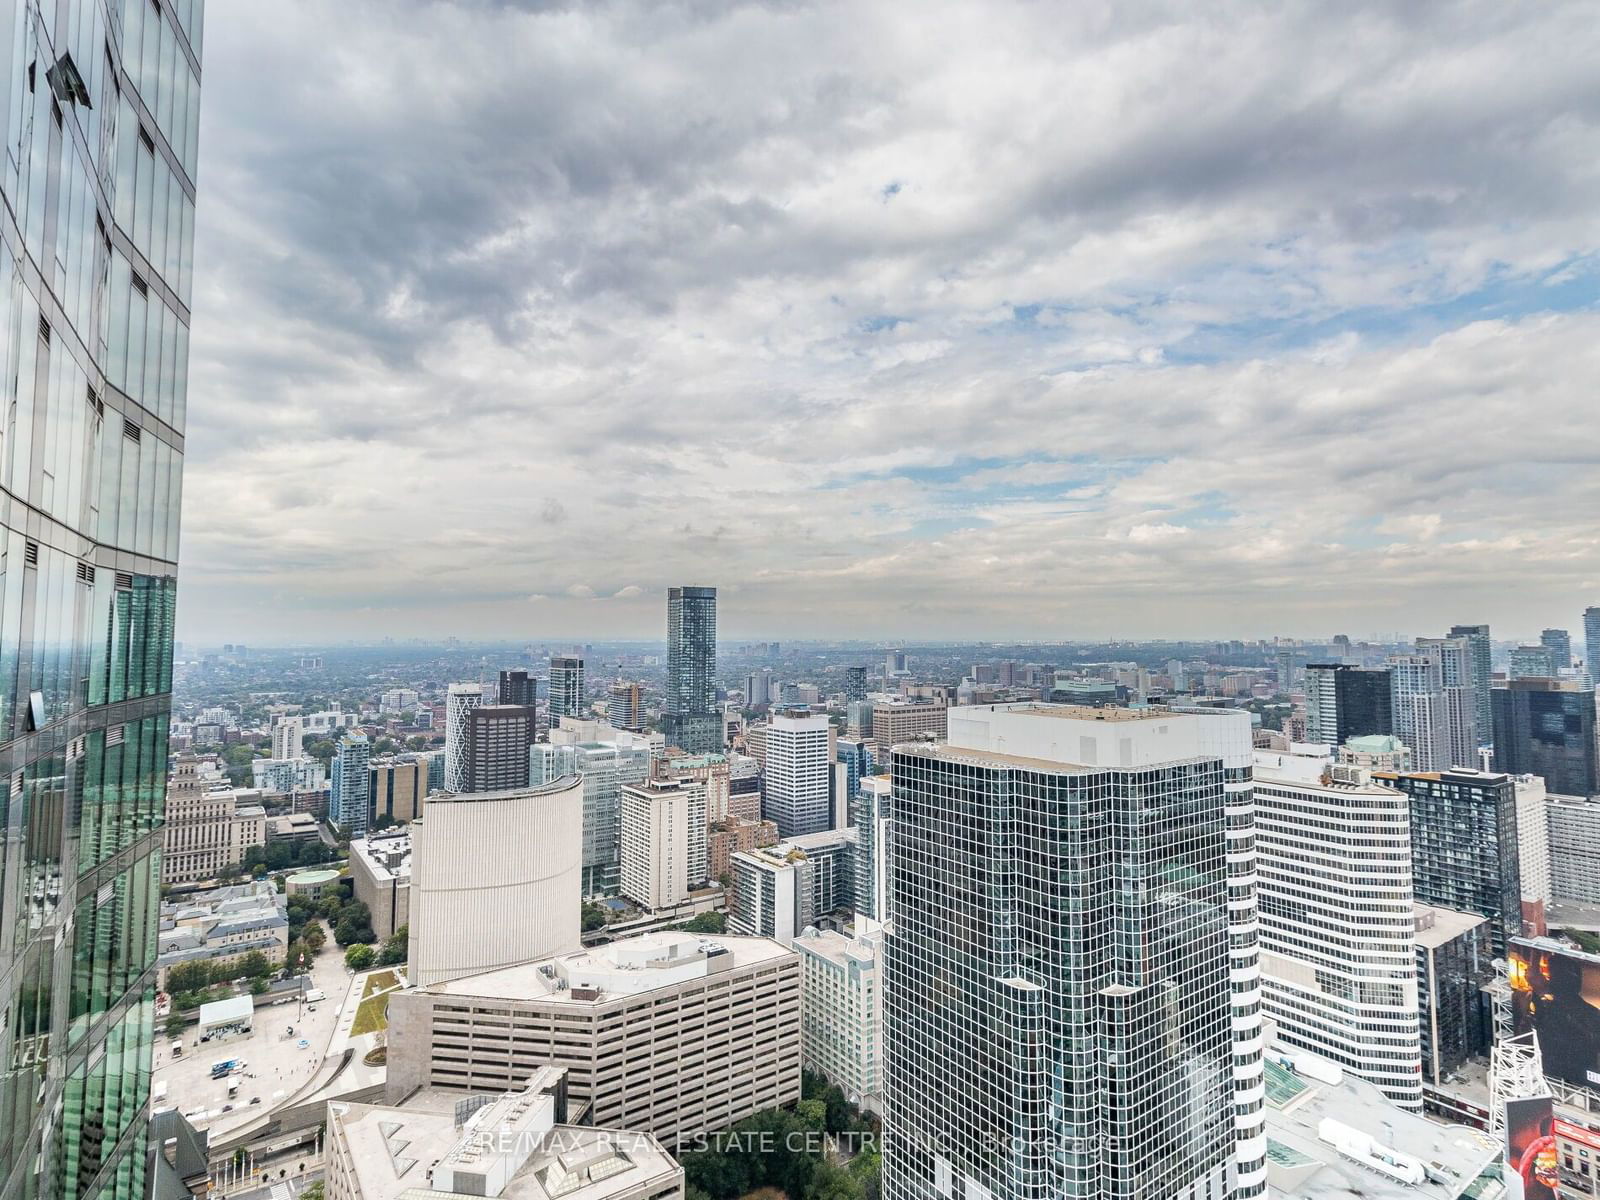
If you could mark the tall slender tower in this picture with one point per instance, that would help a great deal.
(1477, 639)
(459, 701)
(1071, 1002)
(689, 710)
(98, 182)
(566, 688)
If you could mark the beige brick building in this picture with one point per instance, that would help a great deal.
(667, 1032)
(209, 825)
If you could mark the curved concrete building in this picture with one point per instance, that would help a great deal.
(496, 879)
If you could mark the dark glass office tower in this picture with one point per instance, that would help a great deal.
(1345, 701)
(855, 683)
(100, 104)
(689, 710)
(1464, 845)
(519, 686)
(1477, 637)
(566, 688)
(1545, 727)
(1591, 638)
(496, 748)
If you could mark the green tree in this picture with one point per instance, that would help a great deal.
(594, 916)
(829, 1182)
(175, 1025)
(706, 922)
(359, 958)
(393, 952)
(355, 924)
(315, 938)
(254, 965)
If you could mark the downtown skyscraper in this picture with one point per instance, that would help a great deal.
(689, 716)
(1071, 1003)
(98, 180)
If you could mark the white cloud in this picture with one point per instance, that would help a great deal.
(1222, 285)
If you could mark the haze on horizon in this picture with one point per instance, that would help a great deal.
(955, 320)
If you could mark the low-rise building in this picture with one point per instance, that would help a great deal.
(1332, 1136)
(515, 1146)
(666, 1032)
(841, 1012)
(1376, 752)
(222, 925)
(380, 877)
(298, 828)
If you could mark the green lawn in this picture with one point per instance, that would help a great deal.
(372, 1013)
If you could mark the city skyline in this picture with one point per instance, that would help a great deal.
(859, 332)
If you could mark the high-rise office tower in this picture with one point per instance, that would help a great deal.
(1478, 648)
(625, 706)
(496, 747)
(1072, 901)
(95, 277)
(1546, 727)
(1338, 970)
(566, 688)
(799, 760)
(1591, 639)
(1464, 846)
(1559, 643)
(350, 793)
(1343, 702)
(1458, 663)
(855, 683)
(459, 701)
(689, 716)
(520, 686)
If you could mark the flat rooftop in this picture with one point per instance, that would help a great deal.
(1077, 712)
(1436, 926)
(394, 1149)
(629, 966)
(1301, 1165)
(989, 758)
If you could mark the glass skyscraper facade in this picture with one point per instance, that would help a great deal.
(101, 124)
(1071, 1002)
(1464, 845)
(689, 718)
(1546, 727)
(1344, 701)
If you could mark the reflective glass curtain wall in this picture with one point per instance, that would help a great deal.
(101, 108)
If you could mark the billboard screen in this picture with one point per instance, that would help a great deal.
(1531, 1149)
(1557, 993)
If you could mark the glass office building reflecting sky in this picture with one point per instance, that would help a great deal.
(101, 126)
(1071, 992)
(689, 710)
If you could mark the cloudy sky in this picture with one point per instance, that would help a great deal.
(894, 320)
